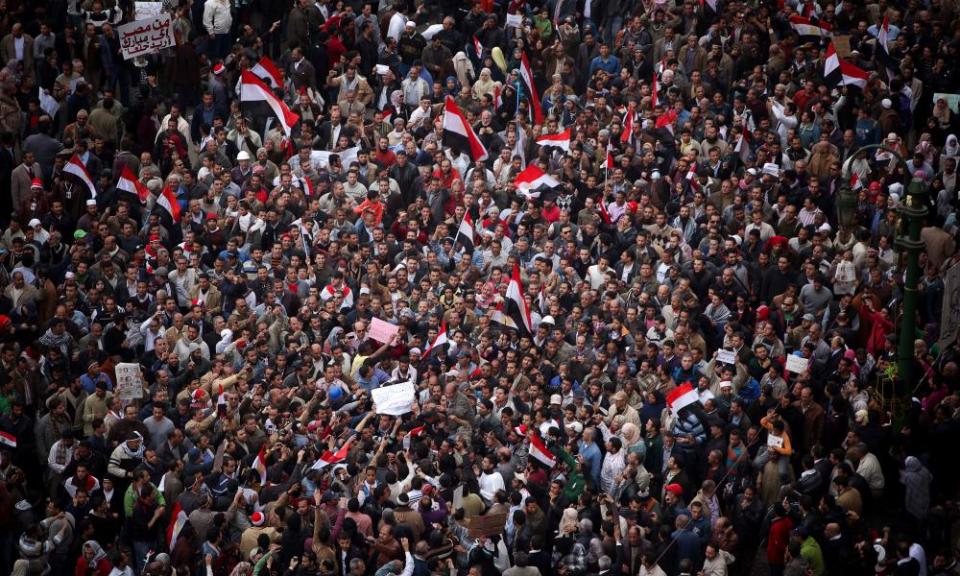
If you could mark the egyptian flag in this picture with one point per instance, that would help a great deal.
(439, 341)
(178, 518)
(75, 166)
(742, 148)
(610, 163)
(8, 440)
(855, 183)
(692, 177)
(329, 458)
(268, 71)
(540, 451)
(500, 317)
(681, 397)
(667, 120)
(526, 74)
(831, 67)
(346, 294)
(458, 134)
(130, 183)
(604, 214)
(882, 53)
(478, 48)
(853, 76)
(168, 201)
(810, 27)
(497, 99)
(254, 90)
(465, 233)
(515, 306)
(221, 397)
(260, 464)
(626, 136)
(561, 140)
(531, 179)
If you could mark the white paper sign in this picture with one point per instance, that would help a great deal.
(774, 441)
(148, 36)
(321, 158)
(382, 331)
(394, 400)
(145, 10)
(431, 31)
(797, 364)
(727, 357)
(129, 382)
(382, 69)
(514, 20)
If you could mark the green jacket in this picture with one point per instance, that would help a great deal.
(575, 481)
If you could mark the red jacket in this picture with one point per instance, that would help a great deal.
(778, 539)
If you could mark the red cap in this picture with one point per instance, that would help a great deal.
(37, 183)
(675, 488)
(875, 186)
(218, 69)
(211, 216)
(154, 237)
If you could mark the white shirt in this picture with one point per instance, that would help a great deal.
(397, 23)
(18, 47)
(490, 483)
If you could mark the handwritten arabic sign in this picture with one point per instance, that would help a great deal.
(797, 364)
(129, 382)
(382, 331)
(394, 400)
(147, 36)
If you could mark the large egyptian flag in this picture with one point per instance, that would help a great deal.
(439, 342)
(831, 67)
(515, 306)
(465, 233)
(882, 53)
(854, 76)
(128, 182)
(561, 140)
(531, 179)
(810, 27)
(458, 134)
(526, 73)
(267, 70)
(253, 89)
(76, 167)
(540, 452)
(168, 201)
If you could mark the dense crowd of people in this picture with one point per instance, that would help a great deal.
(632, 274)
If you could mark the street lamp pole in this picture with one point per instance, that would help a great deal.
(914, 212)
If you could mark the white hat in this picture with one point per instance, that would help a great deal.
(33, 223)
(886, 103)
(415, 351)
(548, 320)
(91, 202)
(576, 427)
(893, 137)
(556, 399)
(243, 155)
